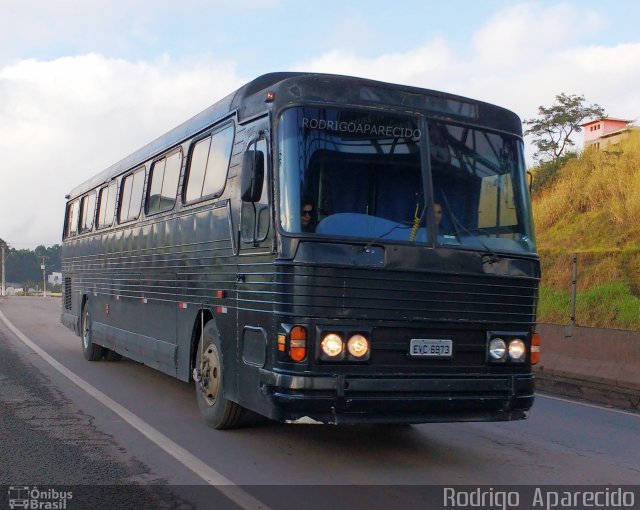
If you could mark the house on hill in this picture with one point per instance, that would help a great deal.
(601, 133)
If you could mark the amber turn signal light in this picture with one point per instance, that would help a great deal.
(298, 343)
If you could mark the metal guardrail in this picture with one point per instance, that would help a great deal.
(601, 365)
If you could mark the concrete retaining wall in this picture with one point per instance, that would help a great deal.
(602, 365)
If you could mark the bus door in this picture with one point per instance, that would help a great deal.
(255, 261)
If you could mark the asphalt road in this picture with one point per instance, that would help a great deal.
(141, 443)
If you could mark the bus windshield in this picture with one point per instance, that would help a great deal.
(479, 189)
(359, 174)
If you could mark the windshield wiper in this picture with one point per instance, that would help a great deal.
(494, 257)
(381, 236)
(399, 225)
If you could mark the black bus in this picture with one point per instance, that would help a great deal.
(318, 248)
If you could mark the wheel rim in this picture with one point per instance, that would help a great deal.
(210, 374)
(85, 330)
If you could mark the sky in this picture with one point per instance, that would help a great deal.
(83, 83)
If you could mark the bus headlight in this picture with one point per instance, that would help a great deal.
(332, 345)
(517, 350)
(497, 349)
(358, 346)
(508, 347)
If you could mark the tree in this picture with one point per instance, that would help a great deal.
(24, 265)
(553, 128)
(547, 172)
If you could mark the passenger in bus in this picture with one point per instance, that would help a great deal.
(306, 219)
(444, 228)
(437, 210)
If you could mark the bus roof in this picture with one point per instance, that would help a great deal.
(295, 87)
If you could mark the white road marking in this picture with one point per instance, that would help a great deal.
(191, 462)
(586, 404)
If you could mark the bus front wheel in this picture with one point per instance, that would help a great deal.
(91, 351)
(218, 412)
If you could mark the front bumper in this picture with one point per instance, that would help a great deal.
(406, 398)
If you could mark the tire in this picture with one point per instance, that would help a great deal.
(91, 351)
(217, 411)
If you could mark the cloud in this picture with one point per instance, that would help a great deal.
(142, 28)
(526, 33)
(604, 75)
(431, 63)
(63, 121)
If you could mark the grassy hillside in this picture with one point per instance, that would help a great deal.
(591, 207)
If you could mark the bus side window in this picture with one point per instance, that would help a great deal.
(163, 183)
(71, 228)
(106, 205)
(87, 210)
(131, 197)
(252, 232)
(208, 165)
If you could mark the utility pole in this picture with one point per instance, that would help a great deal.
(44, 279)
(4, 245)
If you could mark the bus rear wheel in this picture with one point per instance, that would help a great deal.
(91, 351)
(218, 412)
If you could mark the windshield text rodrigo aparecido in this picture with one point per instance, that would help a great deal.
(362, 128)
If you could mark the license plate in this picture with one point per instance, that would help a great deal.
(431, 348)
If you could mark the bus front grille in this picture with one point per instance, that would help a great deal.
(415, 297)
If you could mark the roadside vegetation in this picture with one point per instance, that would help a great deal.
(590, 205)
(24, 267)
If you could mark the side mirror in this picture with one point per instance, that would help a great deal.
(530, 176)
(252, 176)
